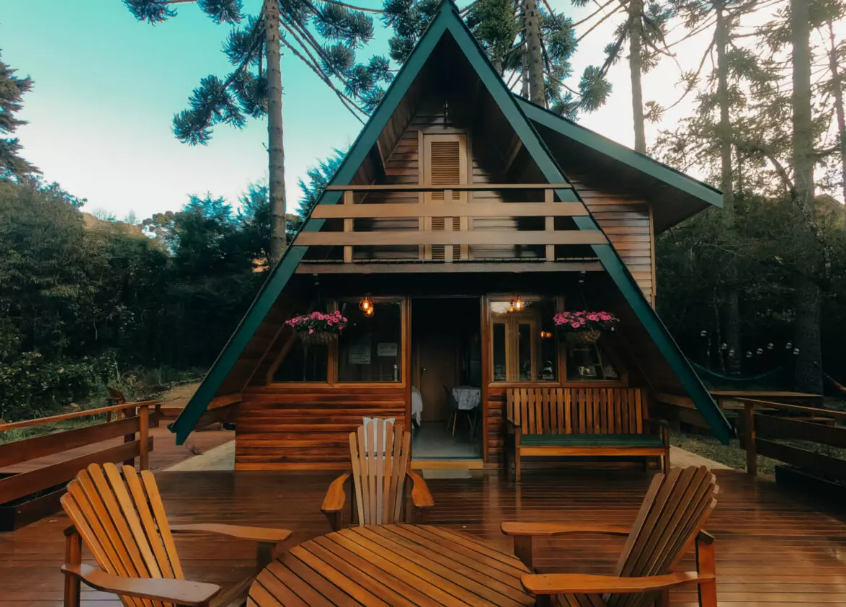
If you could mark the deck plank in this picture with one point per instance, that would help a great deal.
(774, 548)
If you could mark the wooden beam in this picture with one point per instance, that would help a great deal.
(549, 221)
(25, 483)
(476, 209)
(492, 237)
(465, 187)
(348, 226)
(674, 399)
(455, 268)
(225, 401)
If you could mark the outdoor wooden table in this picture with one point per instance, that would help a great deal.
(392, 566)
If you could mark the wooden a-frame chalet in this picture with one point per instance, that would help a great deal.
(457, 200)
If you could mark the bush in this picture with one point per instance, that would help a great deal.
(32, 386)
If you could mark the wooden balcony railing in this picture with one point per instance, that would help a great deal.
(448, 209)
(810, 438)
(133, 422)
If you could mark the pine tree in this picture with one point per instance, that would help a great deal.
(323, 35)
(836, 58)
(808, 293)
(645, 29)
(12, 90)
(503, 31)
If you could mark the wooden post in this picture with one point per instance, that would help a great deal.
(73, 557)
(549, 223)
(143, 435)
(448, 227)
(128, 438)
(706, 566)
(348, 227)
(523, 550)
(749, 431)
(264, 554)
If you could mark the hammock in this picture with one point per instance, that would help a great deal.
(770, 380)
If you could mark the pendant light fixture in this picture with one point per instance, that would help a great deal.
(366, 306)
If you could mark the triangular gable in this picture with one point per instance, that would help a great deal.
(448, 22)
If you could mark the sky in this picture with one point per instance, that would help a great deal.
(106, 88)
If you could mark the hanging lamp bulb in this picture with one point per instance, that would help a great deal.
(366, 306)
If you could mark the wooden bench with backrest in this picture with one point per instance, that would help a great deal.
(380, 468)
(120, 517)
(592, 422)
(669, 523)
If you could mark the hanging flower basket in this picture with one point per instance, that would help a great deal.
(584, 327)
(317, 327)
(318, 337)
(583, 338)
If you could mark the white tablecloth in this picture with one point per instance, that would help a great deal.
(467, 397)
(416, 404)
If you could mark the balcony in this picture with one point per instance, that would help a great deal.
(473, 227)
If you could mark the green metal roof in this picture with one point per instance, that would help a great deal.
(448, 22)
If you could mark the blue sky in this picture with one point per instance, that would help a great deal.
(107, 86)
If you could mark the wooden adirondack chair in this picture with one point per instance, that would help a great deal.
(668, 524)
(120, 518)
(379, 470)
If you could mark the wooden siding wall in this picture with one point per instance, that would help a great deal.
(308, 427)
(403, 165)
(627, 222)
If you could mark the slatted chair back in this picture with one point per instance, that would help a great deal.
(673, 512)
(121, 519)
(578, 410)
(379, 462)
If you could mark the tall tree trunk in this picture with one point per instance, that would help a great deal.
(732, 297)
(275, 148)
(531, 22)
(524, 76)
(808, 294)
(838, 104)
(635, 71)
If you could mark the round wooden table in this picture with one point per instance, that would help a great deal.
(392, 566)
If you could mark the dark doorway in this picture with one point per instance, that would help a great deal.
(446, 378)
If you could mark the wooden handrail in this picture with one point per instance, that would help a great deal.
(797, 408)
(365, 210)
(753, 445)
(64, 416)
(466, 187)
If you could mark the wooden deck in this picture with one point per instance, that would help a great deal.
(773, 548)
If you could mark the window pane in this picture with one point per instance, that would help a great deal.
(588, 362)
(369, 349)
(499, 352)
(524, 351)
(304, 363)
(528, 334)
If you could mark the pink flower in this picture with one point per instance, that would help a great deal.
(575, 325)
(310, 330)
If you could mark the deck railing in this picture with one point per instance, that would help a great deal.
(453, 233)
(133, 422)
(762, 429)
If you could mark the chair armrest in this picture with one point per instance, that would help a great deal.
(551, 529)
(579, 583)
(250, 534)
(420, 496)
(335, 496)
(179, 592)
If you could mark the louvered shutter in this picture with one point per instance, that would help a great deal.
(446, 165)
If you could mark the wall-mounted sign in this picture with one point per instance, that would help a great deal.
(359, 354)
(386, 349)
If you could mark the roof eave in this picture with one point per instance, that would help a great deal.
(621, 153)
